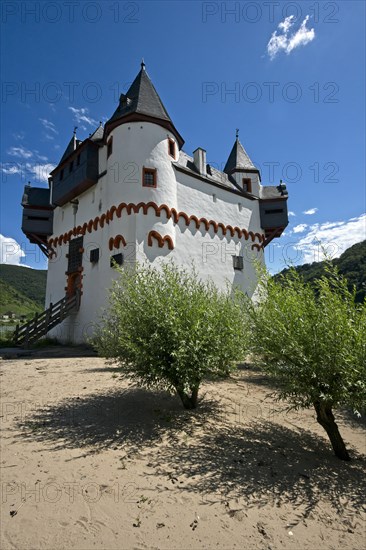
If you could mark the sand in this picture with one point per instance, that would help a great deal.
(90, 461)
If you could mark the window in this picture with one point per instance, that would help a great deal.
(109, 147)
(238, 262)
(171, 147)
(71, 166)
(274, 211)
(62, 174)
(94, 255)
(247, 185)
(78, 160)
(116, 259)
(149, 177)
(75, 258)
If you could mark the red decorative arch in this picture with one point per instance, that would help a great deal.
(93, 225)
(118, 239)
(161, 240)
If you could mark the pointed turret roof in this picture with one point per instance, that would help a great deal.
(143, 101)
(98, 133)
(238, 158)
(73, 143)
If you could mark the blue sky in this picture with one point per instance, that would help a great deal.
(297, 97)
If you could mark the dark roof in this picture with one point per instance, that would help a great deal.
(73, 143)
(238, 158)
(97, 134)
(141, 98)
(213, 175)
(36, 196)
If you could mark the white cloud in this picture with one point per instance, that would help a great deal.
(300, 228)
(19, 136)
(10, 251)
(291, 213)
(38, 172)
(10, 169)
(286, 24)
(302, 37)
(48, 125)
(287, 43)
(81, 115)
(310, 212)
(42, 158)
(331, 239)
(20, 152)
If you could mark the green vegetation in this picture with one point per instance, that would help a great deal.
(22, 290)
(351, 264)
(168, 329)
(311, 338)
(16, 302)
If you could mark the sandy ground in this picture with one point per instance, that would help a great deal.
(89, 461)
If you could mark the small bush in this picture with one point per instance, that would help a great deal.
(312, 339)
(167, 329)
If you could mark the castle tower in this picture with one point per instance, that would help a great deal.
(141, 143)
(241, 168)
(129, 193)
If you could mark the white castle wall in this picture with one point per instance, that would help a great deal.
(136, 145)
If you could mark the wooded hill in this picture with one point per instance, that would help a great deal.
(22, 290)
(351, 264)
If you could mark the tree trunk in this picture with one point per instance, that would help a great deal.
(324, 416)
(189, 401)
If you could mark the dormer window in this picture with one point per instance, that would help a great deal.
(247, 185)
(149, 177)
(71, 167)
(78, 160)
(62, 174)
(109, 147)
(171, 147)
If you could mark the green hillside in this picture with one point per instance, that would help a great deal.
(351, 264)
(13, 301)
(22, 290)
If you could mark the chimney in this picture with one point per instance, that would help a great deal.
(199, 160)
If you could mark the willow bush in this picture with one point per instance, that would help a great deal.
(312, 340)
(167, 329)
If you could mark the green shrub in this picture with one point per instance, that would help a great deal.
(167, 329)
(312, 339)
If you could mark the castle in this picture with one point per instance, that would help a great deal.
(129, 193)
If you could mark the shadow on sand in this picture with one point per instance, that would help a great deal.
(261, 461)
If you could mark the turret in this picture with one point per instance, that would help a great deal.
(240, 167)
(142, 103)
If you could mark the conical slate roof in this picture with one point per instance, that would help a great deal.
(73, 143)
(143, 100)
(97, 134)
(238, 158)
